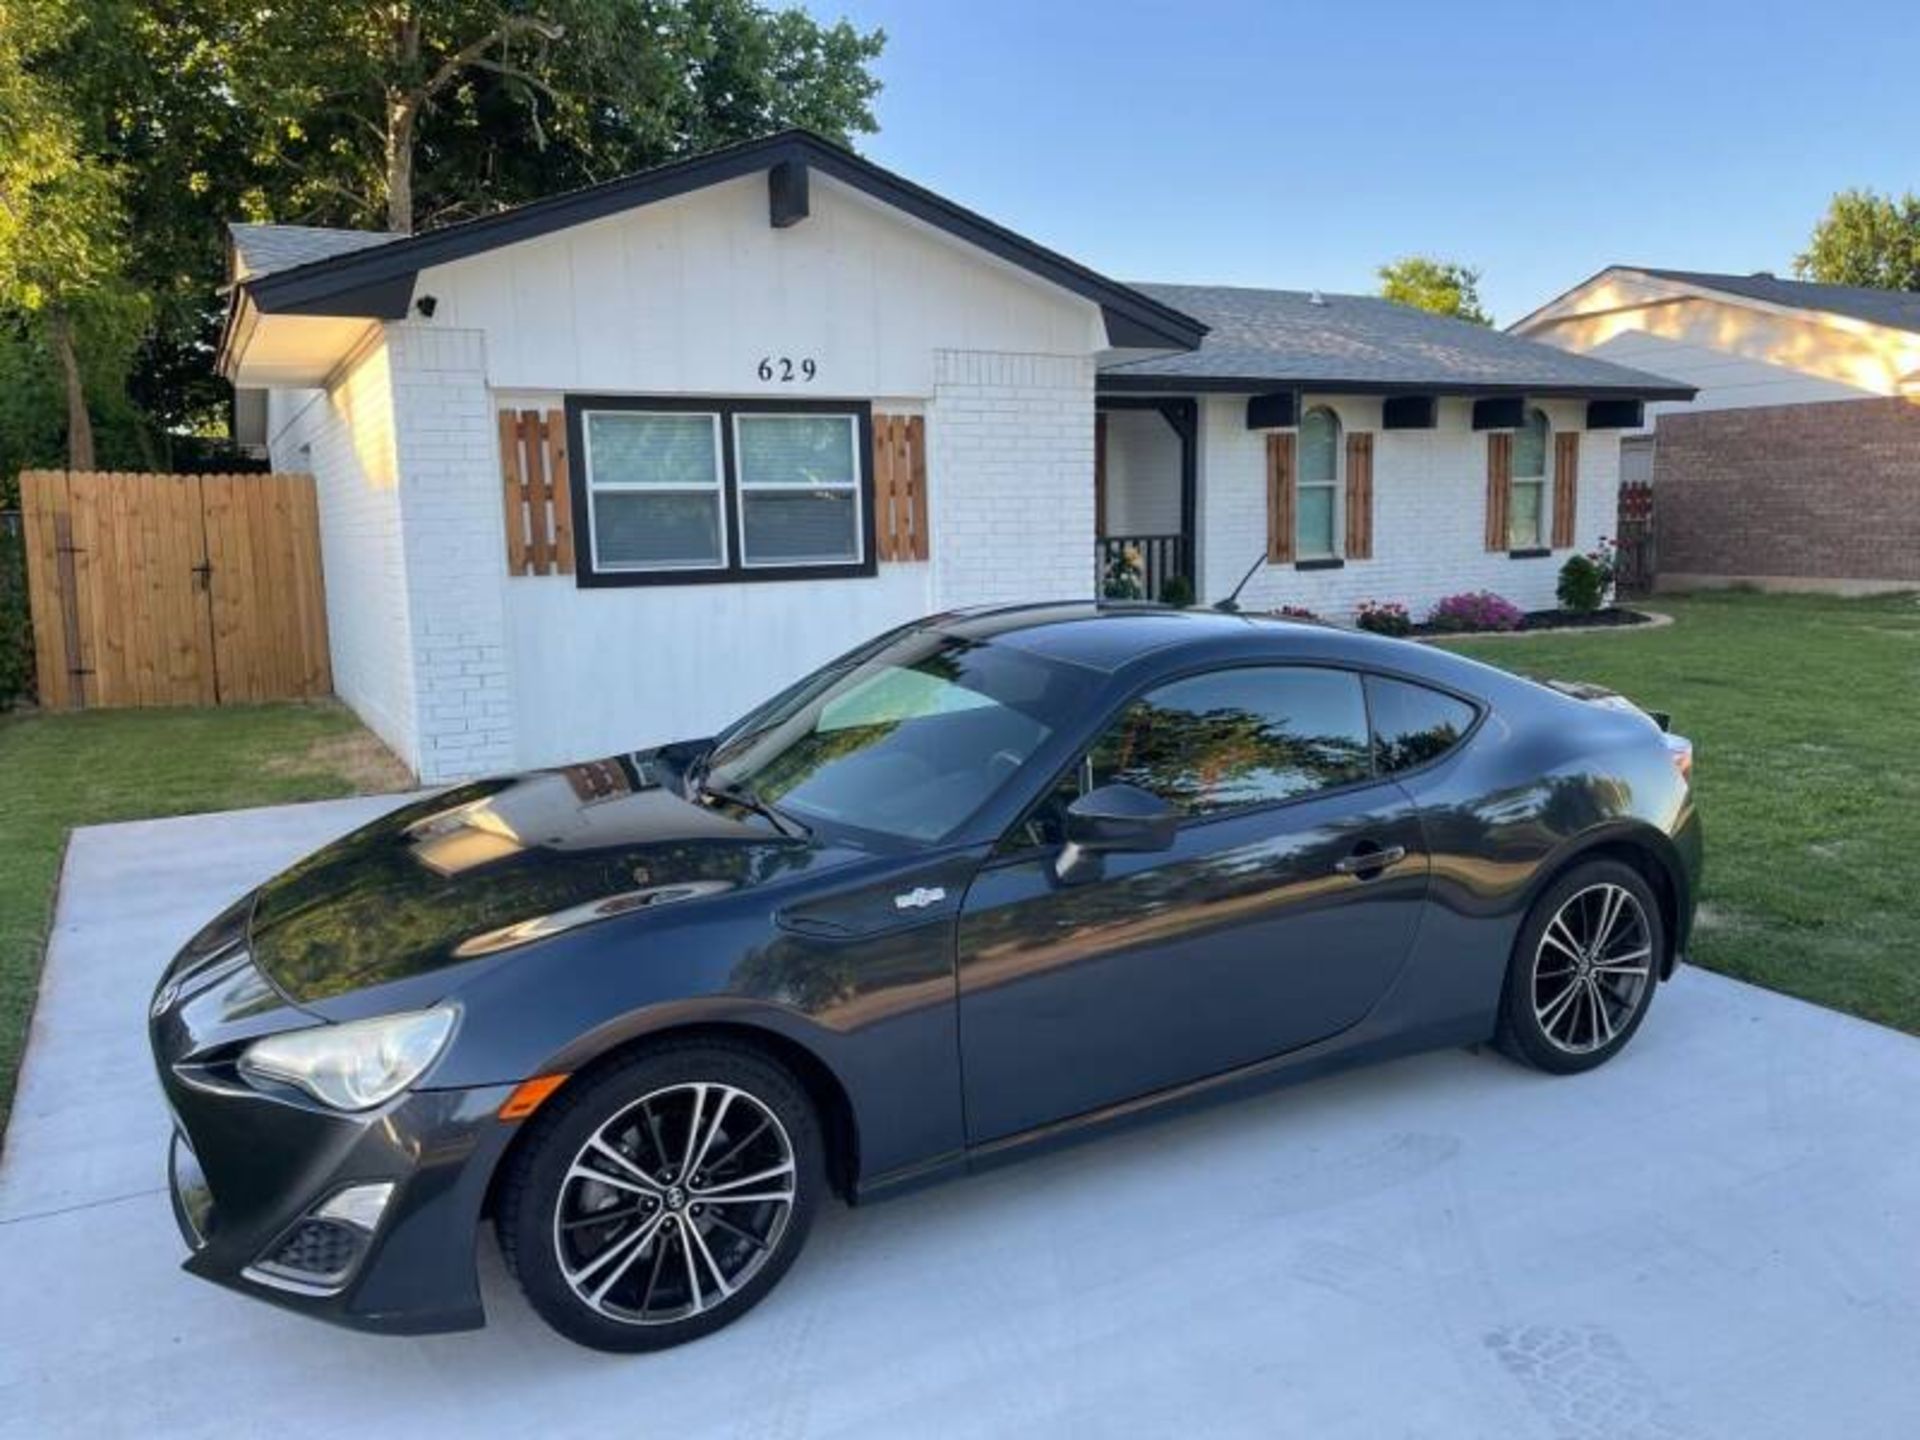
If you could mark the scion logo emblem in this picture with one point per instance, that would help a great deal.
(919, 898)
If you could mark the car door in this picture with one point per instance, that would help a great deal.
(1283, 910)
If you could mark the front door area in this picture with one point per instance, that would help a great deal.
(1144, 468)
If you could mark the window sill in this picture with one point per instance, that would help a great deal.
(1537, 552)
(1331, 562)
(592, 579)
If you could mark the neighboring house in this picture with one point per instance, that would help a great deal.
(1798, 463)
(791, 400)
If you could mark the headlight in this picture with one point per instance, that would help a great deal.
(353, 1066)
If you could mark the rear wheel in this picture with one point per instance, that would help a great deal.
(663, 1199)
(1584, 969)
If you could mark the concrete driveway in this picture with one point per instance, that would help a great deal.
(1719, 1235)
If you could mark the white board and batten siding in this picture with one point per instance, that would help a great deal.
(687, 297)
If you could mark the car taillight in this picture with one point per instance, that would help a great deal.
(1681, 749)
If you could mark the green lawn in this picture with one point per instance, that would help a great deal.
(59, 771)
(1805, 716)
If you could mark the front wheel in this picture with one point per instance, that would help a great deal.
(1583, 971)
(664, 1198)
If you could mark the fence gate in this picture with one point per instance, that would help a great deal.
(1633, 537)
(174, 589)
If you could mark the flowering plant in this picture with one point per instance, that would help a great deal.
(1476, 610)
(1126, 575)
(1383, 617)
(1295, 612)
(1586, 579)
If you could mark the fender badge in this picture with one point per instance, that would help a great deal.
(919, 898)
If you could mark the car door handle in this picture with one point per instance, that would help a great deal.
(1369, 859)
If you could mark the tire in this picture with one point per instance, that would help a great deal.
(675, 1258)
(1563, 1013)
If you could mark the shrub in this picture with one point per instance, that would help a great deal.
(1383, 617)
(1295, 612)
(1476, 610)
(16, 635)
(1176, 590)
(1582, 587)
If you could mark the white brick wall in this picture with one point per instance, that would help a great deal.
(344, 435)
(1010, 476)
(1429, 513)
(448, 453)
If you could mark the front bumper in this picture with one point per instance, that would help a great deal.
(250, 1172)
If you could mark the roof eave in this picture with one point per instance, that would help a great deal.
(1120, 382)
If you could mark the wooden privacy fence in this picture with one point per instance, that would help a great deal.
(174, 589)
(1633, 561)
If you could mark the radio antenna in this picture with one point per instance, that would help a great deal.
(1231, 604)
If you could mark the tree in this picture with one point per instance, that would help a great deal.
(1865, 239)
(1444, 287)
(62, 228)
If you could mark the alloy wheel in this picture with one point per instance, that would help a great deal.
(1592, 968)
(674, 1204)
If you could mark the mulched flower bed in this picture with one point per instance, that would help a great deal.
(1611, 615)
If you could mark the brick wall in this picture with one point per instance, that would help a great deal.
(1010, 477)
(1821, 492)
(344, 436)
(448, 451)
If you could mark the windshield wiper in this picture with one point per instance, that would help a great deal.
(745, 797)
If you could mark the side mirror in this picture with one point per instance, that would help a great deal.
(1115, 818)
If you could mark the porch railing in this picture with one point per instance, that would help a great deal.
(1150, 561)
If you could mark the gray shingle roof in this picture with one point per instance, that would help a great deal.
(264, 249)
(1897, 309)
(1283, 337)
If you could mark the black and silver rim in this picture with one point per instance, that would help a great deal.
(674, 1204)
(1592, 968)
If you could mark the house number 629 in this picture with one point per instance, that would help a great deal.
(786, 369)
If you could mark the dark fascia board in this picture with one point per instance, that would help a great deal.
(368, 279)
(1120, 383)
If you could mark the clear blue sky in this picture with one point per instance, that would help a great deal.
(1299, 146)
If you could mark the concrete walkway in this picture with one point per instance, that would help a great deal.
(1718, 1235)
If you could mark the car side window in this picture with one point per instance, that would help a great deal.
(1412, 724)
(1245, 736)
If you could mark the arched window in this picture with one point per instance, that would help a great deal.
(1316, 506)
(1527, 508)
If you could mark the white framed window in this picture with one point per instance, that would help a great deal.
(1527, 493)
(799, 479)
(654, 489)
(1316, 501)
(675, 491)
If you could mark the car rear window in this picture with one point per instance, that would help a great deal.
(1413, 724)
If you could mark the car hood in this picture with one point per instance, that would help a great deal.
(484, 868)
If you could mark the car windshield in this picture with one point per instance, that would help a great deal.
(905, 742)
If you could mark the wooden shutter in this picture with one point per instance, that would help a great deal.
(1566, 486)
(535, 492)
(1359, 495)
(1499, 486)
(1280, 491)
(900, 486)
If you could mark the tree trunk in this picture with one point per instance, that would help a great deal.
(79, 423)
(401, 109)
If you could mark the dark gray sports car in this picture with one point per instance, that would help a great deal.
(992, 881)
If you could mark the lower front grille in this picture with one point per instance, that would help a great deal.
(319, 1253)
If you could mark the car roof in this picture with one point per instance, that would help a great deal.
(1111, 636)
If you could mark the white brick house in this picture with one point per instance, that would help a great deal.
(790, 400)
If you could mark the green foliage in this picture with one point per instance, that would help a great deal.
(1176, 590)
(1125, 575)
(1383, 617)
(1443, 287)
(1865, 239)
(1581, 587)
(16, 633)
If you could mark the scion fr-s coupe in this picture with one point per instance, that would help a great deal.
(993, 880)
